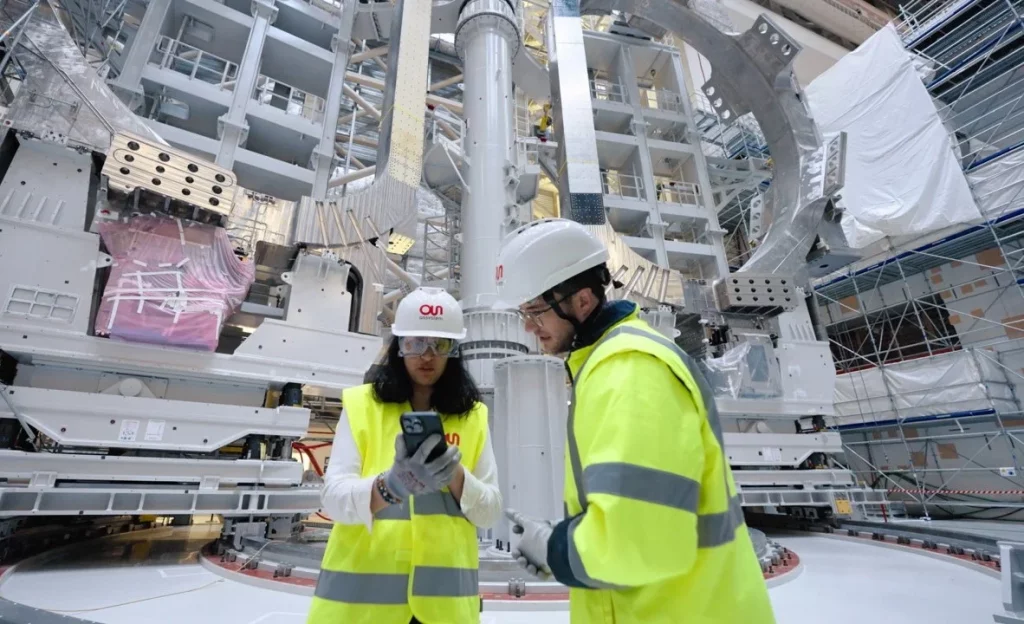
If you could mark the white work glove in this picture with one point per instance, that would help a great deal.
(532, 551)
(413, 475)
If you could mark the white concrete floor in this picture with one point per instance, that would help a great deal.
(842, 583)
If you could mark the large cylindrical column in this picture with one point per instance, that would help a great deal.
(486, 38)
(528, 422)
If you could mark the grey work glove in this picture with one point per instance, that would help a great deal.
(413, 475)
(532, 551)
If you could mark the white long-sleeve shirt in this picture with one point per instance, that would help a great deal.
(346, 495)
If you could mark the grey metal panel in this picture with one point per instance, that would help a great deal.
(755, 478)
(579, 180)
(387, 107)
(47, 468)
(790, 449)
(114, 501)
(68, 284)
(271, 365)
(63, 99)
(114, 421)
(753, 72)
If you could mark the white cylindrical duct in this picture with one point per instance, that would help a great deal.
(528, 422)
(486, 39)
(492, 335)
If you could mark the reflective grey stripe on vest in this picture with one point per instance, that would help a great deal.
(380, 589)
(717, 529)
(445, 582)
(392, 589)
(647, 484)
(436, 504)
(576, 563)
(393, 512)
(643, 484)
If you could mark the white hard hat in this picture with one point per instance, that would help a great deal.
(429, 312)
(541, 255)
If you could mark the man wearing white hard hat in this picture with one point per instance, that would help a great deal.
(403, 547)
(654, 531)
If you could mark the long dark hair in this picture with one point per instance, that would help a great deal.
(454, 393)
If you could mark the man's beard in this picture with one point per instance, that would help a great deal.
(565, 345)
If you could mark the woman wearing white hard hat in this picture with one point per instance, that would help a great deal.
(403, 548)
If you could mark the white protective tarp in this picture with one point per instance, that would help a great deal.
(902, 177)
(999, 185)
(950, 383)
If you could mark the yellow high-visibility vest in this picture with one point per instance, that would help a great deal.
(669, 543)
(421, 557)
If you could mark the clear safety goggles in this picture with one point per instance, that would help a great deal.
(419, 345)
(534, 314)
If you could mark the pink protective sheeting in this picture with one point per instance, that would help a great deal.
(173, 282)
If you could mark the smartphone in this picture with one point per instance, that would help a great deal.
(417, 427)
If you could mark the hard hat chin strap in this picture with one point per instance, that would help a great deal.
(579, 327)
(549, 298)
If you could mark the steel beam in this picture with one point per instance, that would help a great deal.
(113, 501)
(112, 421)
(47, 469)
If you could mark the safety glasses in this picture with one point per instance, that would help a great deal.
(419, 345)
(533, 315)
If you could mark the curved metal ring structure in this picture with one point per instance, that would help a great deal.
(753, 72)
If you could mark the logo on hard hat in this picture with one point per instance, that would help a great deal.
(499, 273)
(431, 311)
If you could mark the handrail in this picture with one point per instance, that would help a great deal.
(293, 101)
(662, 99)
(678, 192)
(687, 232)
(528, 150)
(623, 185)
(607, 90)
(195, 63)
(918, 16)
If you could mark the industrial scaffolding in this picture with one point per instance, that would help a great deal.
(900, 317)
